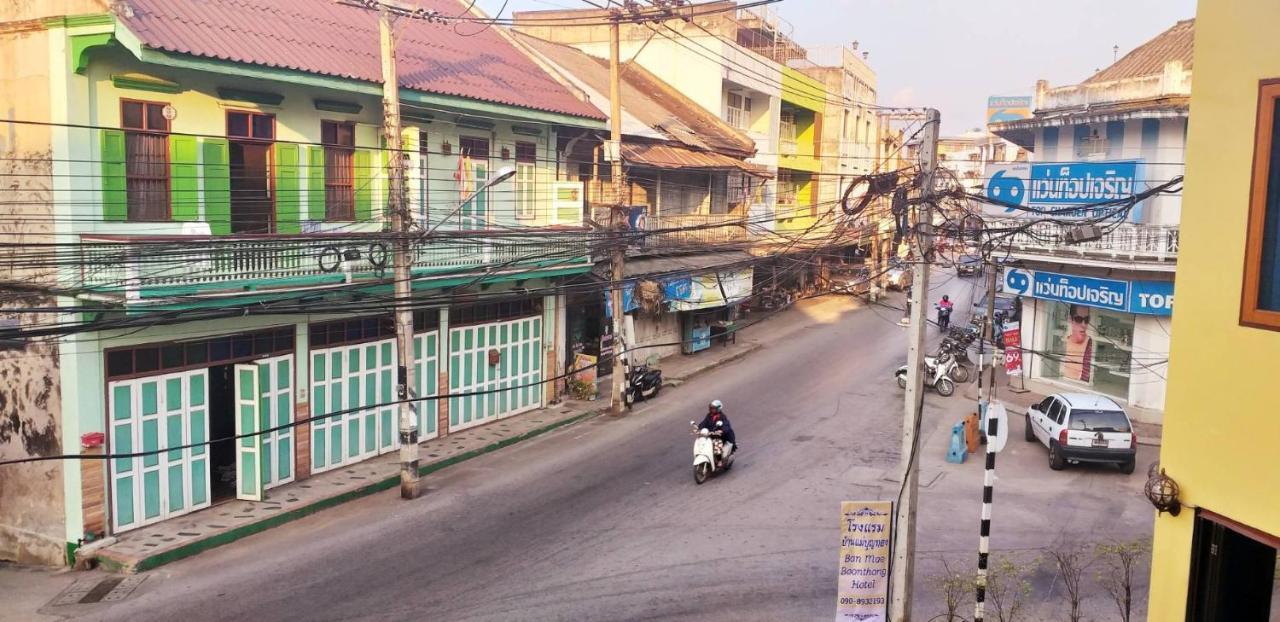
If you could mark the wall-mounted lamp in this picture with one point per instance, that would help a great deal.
(1162, 491)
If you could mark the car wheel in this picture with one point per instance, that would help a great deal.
(1127, 466)
(1056, 461)
(902, 382)
(1028, 433)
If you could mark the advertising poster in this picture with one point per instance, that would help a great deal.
(865, 536)
(1012, 348)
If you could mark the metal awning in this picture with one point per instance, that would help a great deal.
(681, 264)
(673, 157)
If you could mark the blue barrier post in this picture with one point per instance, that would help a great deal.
(958, 450)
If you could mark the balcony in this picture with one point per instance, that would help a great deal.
(1126, 243)
(142, 267)
(689, 229)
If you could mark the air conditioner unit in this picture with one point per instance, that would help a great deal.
(1083, 233)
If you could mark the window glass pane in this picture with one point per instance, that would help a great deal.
(120, 363)
(238, 124)
(197, 352)
(131, 115)
(263, 126)
(171, 356)
(155, 118)
(1269, 271)
(146, 359)
(347, 135)
(1089, 346)
(328, 132)
(1099, 421)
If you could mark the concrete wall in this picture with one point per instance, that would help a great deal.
(1220, 428)
(660, 329)
(32, 522)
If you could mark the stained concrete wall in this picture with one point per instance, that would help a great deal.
(32, 517)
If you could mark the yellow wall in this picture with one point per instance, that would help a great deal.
(1221, 428)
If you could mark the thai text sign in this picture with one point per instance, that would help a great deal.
(1059, 185)
(1143, 297)
(1008, 108)
(865, 535)
(1012, 348)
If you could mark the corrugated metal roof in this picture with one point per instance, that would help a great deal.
(648, 99)
(692, 264)
(1176, 43)
(322, 37)
(659, 155)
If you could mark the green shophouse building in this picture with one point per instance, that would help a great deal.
(207, 156)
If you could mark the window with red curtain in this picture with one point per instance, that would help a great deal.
(146, 148)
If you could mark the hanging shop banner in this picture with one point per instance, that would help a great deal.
(715, 290)
(1004, 108)
(1061, 185)
(629, 302)
(678, 289)
(865, 534)
(1012, 348)
(1142, 297)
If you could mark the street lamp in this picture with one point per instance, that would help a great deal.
(504, 173)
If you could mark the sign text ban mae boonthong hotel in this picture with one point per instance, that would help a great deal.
(865, 534)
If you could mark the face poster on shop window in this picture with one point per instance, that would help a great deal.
(1077, 344)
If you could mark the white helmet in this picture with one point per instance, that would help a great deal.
(715, 404)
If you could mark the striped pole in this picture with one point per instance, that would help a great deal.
(984, 532)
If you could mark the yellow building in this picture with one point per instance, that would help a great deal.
(1216, 559)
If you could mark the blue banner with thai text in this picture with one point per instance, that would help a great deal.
(1141, 297)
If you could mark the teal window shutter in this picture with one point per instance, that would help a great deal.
(364, 192)
(315, 183)
(184, 192)
(217, 185)
(288, 189)
(115, 197)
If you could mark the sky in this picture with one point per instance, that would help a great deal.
(953, 54)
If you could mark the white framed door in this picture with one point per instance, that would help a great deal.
(275, 413)
(426, 372)
(352, 390)
(150, 415)
(248, 438)
(510, 386)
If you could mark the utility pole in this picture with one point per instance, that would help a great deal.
(400, 259)
(618, 219)
(988, 483)
(904, 533)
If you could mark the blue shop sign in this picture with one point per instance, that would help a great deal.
(1143, 297)
(1058, 185)
(678, 288)
(629, 303)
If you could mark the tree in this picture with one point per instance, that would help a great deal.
(1008, 588)
(955, 587)
(1120, 561)
(1071, 561)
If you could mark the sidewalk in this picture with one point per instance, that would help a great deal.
(680, 368)
(177, 538)
(1017, 401)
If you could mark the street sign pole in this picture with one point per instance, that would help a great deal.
(997, 435)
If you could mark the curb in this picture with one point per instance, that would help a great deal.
(675, 381)
(194, 548)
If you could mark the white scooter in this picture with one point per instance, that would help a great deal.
(706, 447)
(938, 374)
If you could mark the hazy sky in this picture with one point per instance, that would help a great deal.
(952, 54)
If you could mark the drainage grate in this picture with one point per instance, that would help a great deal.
(86, 591)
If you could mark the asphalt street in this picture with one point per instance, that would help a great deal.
(603, 521)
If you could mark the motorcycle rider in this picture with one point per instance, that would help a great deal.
(716, 420)
(944, 312)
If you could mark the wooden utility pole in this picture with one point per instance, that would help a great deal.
(400, 259)
(618, 218)
(904, 533)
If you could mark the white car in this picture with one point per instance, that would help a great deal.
(1082, 427)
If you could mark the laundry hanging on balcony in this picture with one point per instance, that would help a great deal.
(465, 176)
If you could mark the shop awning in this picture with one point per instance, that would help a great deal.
(673, 157)
(658, 267)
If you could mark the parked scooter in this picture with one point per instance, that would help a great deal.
(961, 371)
(642, 383)
(707, 446)
(938, 372)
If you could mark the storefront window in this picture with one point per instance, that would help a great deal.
(1089, 346)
